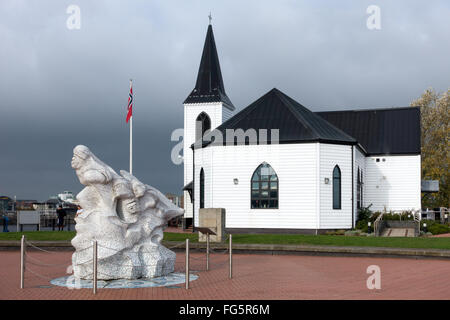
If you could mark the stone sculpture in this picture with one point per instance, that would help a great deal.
(125, 217)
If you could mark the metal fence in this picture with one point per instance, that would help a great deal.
(33, 265)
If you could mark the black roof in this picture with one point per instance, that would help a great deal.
(209, 86)
(380, 131)
(296, 124)
(188, 186)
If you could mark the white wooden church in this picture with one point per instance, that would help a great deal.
(324, 167)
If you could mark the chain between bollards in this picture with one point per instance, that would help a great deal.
(187, 264)
(94, 266)
(231, 256)
(22, 261)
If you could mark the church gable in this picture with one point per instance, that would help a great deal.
(296, 124)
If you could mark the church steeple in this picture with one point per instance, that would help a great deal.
(209, 86)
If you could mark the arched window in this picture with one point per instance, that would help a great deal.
(336, 187)
(358, 190)
(202, 124)
(362, 188)
(202, 188)
(264, 188)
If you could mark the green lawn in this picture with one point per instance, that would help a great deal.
(431, 243)
(68, 235)
(39, 235)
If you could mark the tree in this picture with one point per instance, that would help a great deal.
(435, 136)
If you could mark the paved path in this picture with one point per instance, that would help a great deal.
(444, 235)
(398, 232)
(255, 277)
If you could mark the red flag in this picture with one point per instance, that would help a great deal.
(130, 103)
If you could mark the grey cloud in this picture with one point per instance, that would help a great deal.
(60, 88)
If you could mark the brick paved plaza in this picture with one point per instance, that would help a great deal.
(255, 277)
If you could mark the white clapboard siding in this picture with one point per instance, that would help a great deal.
(191, 112)
(295, 165)
(187, 205)
(360, 162)
(331, 155)
(394, 183)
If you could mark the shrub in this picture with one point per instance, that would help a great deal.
(438, 228)
(362, 225)
(434, 227)
(428, 222)
(335, 233)
(364, 216)
(391, 217)
(352, 233)
(364, 213)
(375, 215)
(404, 216)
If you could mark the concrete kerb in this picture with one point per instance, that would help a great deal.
(272, 249)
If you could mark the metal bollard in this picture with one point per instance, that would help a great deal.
(207, 251)
(22, 261)
(187, 264)
(231, 256)
(94, 266)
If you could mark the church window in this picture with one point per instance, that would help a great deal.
(202, 189)
(202, 124)
(358, 190)
(336, 188)
(264, 188)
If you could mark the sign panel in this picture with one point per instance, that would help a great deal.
(430, 185)
(28, 217)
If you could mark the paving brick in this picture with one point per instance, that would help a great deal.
(254, 277)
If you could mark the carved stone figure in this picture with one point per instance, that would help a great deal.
(125, 217)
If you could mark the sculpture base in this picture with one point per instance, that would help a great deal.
(172, 279)
(150, 262)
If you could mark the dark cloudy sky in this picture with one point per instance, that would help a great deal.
(61, 87)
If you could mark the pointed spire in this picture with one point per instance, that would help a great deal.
(209, 86)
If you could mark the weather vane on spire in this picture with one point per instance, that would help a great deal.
(210, 17)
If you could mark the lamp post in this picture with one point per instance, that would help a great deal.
(425, 227)
(368, 227)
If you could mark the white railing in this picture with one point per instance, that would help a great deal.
(376, 224)
(416, 217)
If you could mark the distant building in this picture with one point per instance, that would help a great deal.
(47, 208)
(176, 200)
(24, 205)
(66, 196)
(6, 204)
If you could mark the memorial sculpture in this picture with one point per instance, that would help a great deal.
(125, 217)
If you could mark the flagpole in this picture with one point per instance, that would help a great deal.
(131, 145)
(131, 135)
